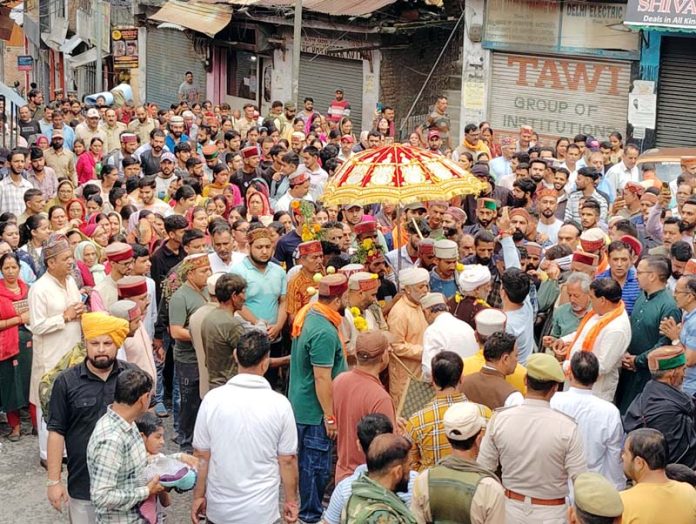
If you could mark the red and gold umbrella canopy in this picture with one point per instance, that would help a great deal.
(398, 174)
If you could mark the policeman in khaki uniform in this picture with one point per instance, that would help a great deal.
(538, 448)
(596, 500)
(458, 489)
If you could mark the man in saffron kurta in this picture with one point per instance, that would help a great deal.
(606, 332)
(317, 357)
(312, 261)
(407, 324)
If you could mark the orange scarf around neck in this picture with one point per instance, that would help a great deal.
(325, 311)
(589, 341)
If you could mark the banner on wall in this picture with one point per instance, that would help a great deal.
(124, 47)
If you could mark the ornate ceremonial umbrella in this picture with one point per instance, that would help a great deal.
(398, 174)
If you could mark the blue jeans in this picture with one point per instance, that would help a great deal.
(314, 457)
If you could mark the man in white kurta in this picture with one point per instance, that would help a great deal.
(612, 340)
(55, 307)
(599, 421)
(445, 332)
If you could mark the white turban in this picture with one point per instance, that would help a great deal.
(413, 275)
(474, 276)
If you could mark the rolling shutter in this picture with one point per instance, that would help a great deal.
(558, 96)
(321, 75)
(169, 55)
(676, 101)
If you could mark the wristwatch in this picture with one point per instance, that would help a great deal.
(676, 342)
(51, 483)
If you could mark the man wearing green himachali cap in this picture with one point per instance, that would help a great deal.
(664, 406)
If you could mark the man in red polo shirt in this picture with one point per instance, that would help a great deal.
(358, 393)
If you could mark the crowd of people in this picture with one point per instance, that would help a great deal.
(523, 355)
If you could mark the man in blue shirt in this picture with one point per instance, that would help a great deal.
(442, 276)
(176, 133)
(684, 334)
(621, 269)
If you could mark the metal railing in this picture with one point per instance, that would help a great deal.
(9, 115)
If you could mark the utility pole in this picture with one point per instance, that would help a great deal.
(296, 36)
(98, 34)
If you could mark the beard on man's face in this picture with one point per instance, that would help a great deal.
(518, 236)
(520, 202)
(101, 362)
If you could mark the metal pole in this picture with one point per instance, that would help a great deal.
(296, 36)
(98, 17)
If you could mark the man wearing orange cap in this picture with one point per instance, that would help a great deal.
(631, 198)
(665, 407)
(311, 260)
(549, 224)
(358, 393)
(317, 357)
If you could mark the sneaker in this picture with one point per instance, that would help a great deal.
(161, 411)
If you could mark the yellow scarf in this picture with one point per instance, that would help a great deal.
(480, 146)
(325, 311)
(589, 341)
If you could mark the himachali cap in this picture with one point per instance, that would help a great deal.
(446, 249)
(365, 228)
(371, 344)
(634, 187)
(547, 192)
(197, 260)
(486, 203)
(211, 282)
(489, 321)
(534, 249)
(92, 113)
(176, 119)
(55, 245)
(308, 248)
(507, 141)
(349, 269)
(649, 197)
(463, 420)
(125, 309)
(210, 151)
(544, 367)
(584, 261)
(473, 276)
(595, 495)
(457, 213)
(363, 281)
(169, 157)
(432, 299)
(131, 286)
(118, 252)
(128, 137)
(592, 239)
(426, 247)
(521, 212)
(688, 160)
(347, 138)
(413, 275)
(298, 177)
(333, 285)
(257, 233)
(635, 244)
(666, 358)
(250, 151)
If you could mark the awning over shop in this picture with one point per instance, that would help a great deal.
(208, 19)
(330, 7)
(661, 16)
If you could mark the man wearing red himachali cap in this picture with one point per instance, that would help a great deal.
(317, 357)
(362, 311)
(302, 285)
(120, 257)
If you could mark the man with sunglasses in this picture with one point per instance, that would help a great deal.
(121, 260)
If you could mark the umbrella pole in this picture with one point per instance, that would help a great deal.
(398, 251)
